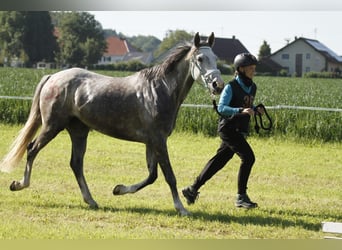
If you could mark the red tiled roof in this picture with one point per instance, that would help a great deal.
(116, 46)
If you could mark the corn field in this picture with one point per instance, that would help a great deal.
(272, 91)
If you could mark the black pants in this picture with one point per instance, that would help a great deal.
(232, 142)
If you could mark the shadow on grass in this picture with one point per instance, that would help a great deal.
(247, 218)
(260, 216)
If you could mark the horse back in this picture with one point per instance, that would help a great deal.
(121, 107)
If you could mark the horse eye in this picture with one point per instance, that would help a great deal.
(200, 59)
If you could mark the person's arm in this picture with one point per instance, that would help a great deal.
(223, 107)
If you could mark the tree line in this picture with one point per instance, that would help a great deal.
(69, 39)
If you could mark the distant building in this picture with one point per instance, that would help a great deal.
(227, 48)
(46, 65)
(144, 57)
(224, 48)
(307, 55)
(119, 49)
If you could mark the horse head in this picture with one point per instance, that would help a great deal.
(203, 64)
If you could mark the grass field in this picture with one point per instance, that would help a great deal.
(272, 91)
(296, 185)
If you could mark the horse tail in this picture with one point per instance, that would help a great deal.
(26, 134)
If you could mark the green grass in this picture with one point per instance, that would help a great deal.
(300, 124)
(297, 187)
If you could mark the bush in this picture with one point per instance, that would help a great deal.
(133, 65)
(324, 74)
(225, 68)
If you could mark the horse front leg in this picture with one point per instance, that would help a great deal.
(164, 161)
(153, 174)
(79, 134)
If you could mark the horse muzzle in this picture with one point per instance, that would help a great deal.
(214, 81)
(216, 87)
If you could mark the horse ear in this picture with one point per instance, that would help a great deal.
(211, 39)
(197, 40)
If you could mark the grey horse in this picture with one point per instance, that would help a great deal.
(141, 107)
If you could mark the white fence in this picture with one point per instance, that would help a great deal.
(272, 107)
(210, 106)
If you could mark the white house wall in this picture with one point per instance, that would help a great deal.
(333, 66)
(109, 59)
(312, 60)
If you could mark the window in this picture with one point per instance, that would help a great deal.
(308, 56)
(307, 69)
(285, 56)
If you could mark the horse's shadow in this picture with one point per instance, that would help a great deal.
(246, 218)
(275, 217)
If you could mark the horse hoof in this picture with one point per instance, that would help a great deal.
(94, 206)
(185, 213)
(14, 186)
(118, 190)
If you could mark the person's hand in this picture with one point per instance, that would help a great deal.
(249, 111)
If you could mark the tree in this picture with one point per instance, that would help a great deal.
(172, 38)
(145, 43)
(11, 34)
(81, 39)
(264, 51)
(39, 41)
(27, 35)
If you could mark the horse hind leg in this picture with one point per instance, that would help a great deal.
(79, 133)
(153, 174)
(45, 136)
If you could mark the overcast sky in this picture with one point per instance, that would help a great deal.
(250, 27)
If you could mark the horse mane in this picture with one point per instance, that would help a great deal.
(162, 69)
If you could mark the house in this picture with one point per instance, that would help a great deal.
(267, 66)
(119, 49)
(144, 57)
(307, 55)
(224, 48)
(227, 48)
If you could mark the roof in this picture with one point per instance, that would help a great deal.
(323, 49)
(319, 47)
(118, 46)
(266, 64)
(227, 48)
(144, 57)
(224, 48)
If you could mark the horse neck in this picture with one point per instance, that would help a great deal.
(183, 82)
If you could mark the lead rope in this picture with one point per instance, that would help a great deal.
(256, 114)
(215, 107)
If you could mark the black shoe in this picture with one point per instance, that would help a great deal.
(242, 200)
(190, 194)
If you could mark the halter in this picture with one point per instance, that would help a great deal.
(206, 76)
